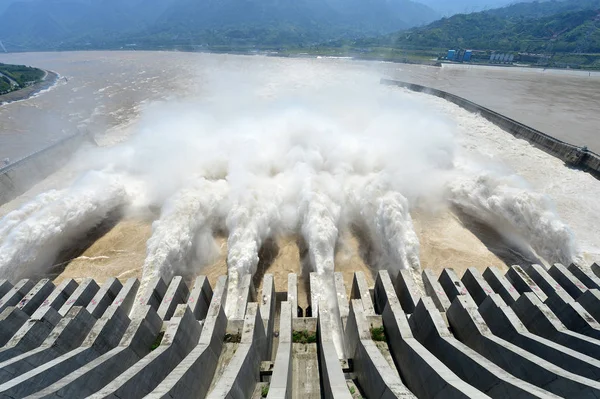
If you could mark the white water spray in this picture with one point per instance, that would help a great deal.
(171, 246)
(519, 214)
(32, 244)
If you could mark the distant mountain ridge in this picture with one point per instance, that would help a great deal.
(62, 24)
(571, 26)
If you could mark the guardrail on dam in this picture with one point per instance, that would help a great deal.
(529, 332)
(19, 176)
(579, 157)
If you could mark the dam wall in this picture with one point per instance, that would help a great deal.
(496, 338)
(19, 176)
(578, 157)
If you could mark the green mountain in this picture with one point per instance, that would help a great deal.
(66, 24)
(566, 27)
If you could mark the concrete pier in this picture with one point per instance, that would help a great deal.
(200, 297)
(243, 371)
(540, 320)
(425, 375)
(574, 287)
(472, 330)
(407, 291)
(523, 283)
(281, 381)
(36, 296)
(91, 377)
(104, 297)
(375, 376)
(430, 329)
(105, 335)
(572, 314)
(504, 323)
(126, 296)
(15, 294)
(586, 276)
(500, 284)
(196, 371)
(435, 291)
(181, 336)
(495, 339)
(176, 294)
(82, 296)
(332, 377)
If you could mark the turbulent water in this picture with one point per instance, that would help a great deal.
(257, 148)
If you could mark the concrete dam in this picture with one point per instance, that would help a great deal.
(531, 332)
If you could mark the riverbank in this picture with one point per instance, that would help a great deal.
(48, 81)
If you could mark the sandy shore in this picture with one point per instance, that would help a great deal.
(49, 80)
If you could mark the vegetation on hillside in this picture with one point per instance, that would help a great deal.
(566, 32)
(15, 77)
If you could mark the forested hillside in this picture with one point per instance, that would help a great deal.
(572, 26)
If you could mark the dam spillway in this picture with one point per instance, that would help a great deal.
(530, 332)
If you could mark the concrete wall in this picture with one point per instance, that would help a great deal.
(19, 176)
(570, 154)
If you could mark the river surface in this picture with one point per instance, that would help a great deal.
(100, 91)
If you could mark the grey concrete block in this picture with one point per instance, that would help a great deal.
(126, 295)
(453, 286)
(471, 329)
(15, 294)
(181, 336)
(572, 314)
(105, 335)
(595, 269)
(333, 381)
(504, 323)
(500, 284)
(557, 296)
(540, 320)
(342, 298)
(586, 276)
(590, 301)
(430, 329)
(292, 293)
(176, 294)
(375, 376)
(435, 290)
(34, 298)
(241, 296)
(242, 373)
(200, 297)
(476, 285)
(523, 283)
(94, 375)
(574, 287)
(11, 320)
(32, 333)
(267, 310)
(68, 334)
(58, 297)
(360, 290)
(152, 294)
(81, 297)
(425, 375)
(104, 297)
(315, 294)
(5, 286)
(407, 291)
(281, 380)
(194, 374)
